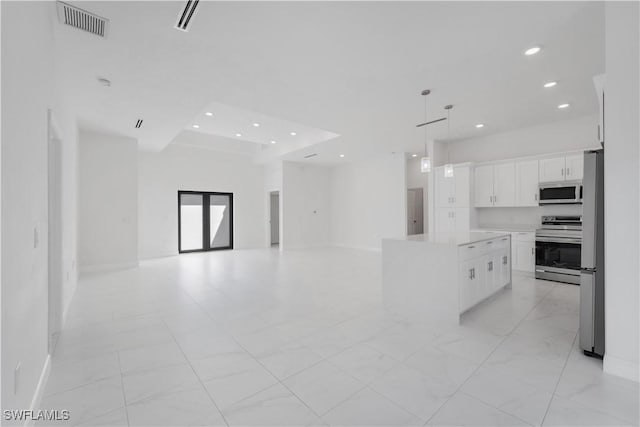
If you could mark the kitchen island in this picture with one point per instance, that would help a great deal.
(437, 277)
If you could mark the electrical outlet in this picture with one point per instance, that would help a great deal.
(16, 377)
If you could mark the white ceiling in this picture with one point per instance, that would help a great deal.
(353, 68)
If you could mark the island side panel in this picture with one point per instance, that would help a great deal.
(420, 281)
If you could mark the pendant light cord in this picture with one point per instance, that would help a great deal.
(425, 128)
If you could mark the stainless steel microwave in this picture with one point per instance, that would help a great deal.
(564, 192)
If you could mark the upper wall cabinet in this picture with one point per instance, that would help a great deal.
(527, 183)
(599, 83)
(567, 168)
(495, 185)
(453, 192)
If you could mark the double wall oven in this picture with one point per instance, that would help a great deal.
(559, 248)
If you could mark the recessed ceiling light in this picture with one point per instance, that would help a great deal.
(561, 106)
(196, 126)
(341, 155)
(414, 155)
(550, 84)
(292, 133)
(272, 141)
(256, 125)
(238, 135)
(480, 125)
(532, 50)
(208, 113)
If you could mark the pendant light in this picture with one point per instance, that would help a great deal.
(448, 168)
(425, 162)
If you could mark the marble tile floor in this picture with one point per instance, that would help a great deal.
(297, 338)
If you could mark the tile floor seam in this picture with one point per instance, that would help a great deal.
(503, 339)
(124, 398)
(196, 374)
(555, 388)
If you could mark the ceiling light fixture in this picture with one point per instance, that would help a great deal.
(550, 84)
(292, 133)
(480, 125)
(238, 135)
(532, 50)
(272, 141)
(562, 106)
(256, 125)
(208, 113)
(341, 155)
(414, 155)
(448, 168)
(196, 126)
(425, 162)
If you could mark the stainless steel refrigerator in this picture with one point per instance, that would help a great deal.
(592, 256)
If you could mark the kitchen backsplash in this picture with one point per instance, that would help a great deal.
(522, 216)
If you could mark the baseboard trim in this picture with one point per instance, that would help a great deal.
(42, 383)
(621, 368)
(101, 268)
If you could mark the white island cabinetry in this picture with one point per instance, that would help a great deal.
(438, 277)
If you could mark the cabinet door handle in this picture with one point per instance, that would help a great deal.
(535, 196)
(470, 247)
(504, 260)
(568, 172)
(562, 171)
(471, 273)
(490, 266)
(489, 242)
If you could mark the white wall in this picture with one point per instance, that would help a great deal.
(162, 174)
(561, 136)
(622, 138)
(28, 92)
(368, 201)
(306, 206)
(108, 202)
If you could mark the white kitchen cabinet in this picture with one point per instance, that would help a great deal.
(504, 184)
(526, 183)
(599, 83)
(444, 188)
(453, 191)
(485, 268)
(552, 169)
(483, 186)
(574, 167)
(494, 185)
(462, 186)
(525, 259)
(566, 168)
(449, 220)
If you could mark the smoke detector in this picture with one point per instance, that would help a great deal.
(81, 19)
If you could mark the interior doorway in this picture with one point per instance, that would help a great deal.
(274, 217)
(415, 211)
(54, 235)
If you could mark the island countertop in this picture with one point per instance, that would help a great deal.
(451, 239)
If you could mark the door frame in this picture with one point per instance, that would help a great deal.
(206, 238)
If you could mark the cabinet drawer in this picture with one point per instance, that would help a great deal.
(501, 243)
(470, 251)
(525, 236)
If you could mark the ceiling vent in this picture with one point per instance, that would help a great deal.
(139, 124)
(82, 20)
(308, 156)
(184, 18)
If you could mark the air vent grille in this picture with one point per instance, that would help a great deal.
(139, 124)
(308, 156)
(184, 18)
(82, 20)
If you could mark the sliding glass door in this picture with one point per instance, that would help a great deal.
(205, 221)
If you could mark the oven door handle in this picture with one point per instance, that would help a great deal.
(559, 240)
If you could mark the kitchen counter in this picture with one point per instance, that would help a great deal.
(437, 277)
(455, 239)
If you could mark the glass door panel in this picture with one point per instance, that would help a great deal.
(220, 230)
(191, 231)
